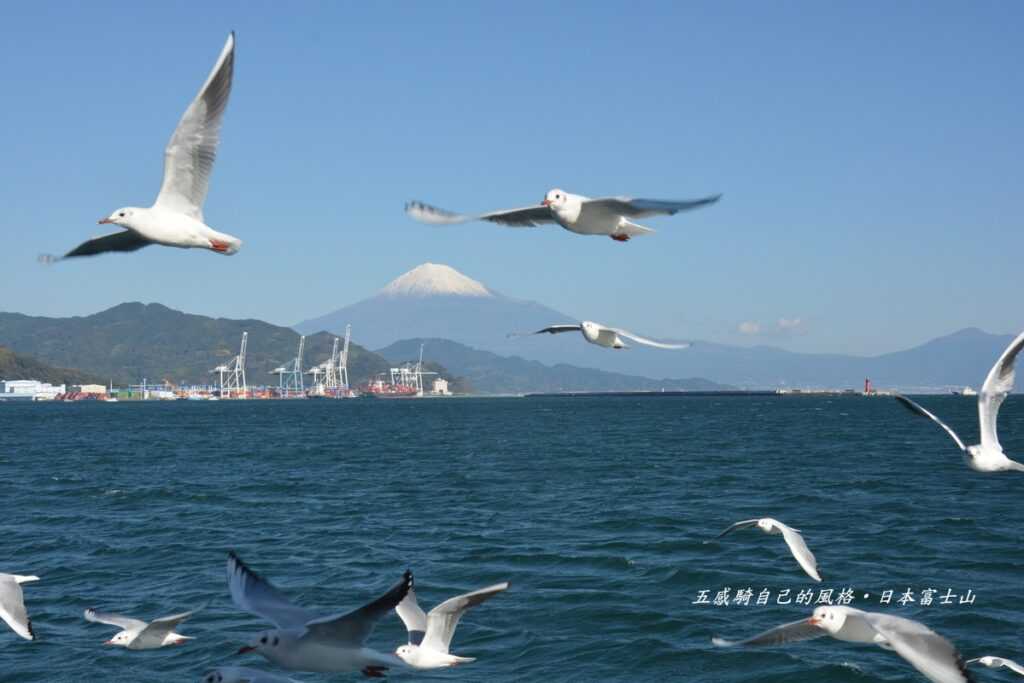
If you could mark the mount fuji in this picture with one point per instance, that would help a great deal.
(435, 300)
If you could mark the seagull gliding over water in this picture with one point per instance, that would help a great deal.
(987, 456)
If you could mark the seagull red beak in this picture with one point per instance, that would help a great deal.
(813, 621)
(109, 642)
(103, 220)
(243, 650)
(546, 202)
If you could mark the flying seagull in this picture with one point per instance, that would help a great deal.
(176, 217)
(997, 662)
(242, 674)
(987, 456)
(430, 635)
(924, 649)
(793, 539)
(12, 604)
(602, 335)
(305, 640)
(139, 635)
(609, 216)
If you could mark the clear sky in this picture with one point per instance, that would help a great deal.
(870, 156)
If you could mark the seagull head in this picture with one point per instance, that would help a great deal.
(265, 643)
(407, 653)
(830, 619)
(765, 524)
(122, 639)
(122, 216)
(590, 330)
(555, 199)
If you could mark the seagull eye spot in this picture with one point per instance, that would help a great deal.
(263, 640)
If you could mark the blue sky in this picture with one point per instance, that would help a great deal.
(869, 156)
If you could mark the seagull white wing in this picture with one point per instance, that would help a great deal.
(793, 632)
(189, 156)
(254, 594)
(647, 342)
(915, 408)
(924, 649)
(526, 217)
(242, 674)
(443, 619)
(642, 208)
(354, 628)
(159, 628)
(998, 384)
(745, 524)
(800, 551)
(413, 616)
(996, 662)
(12, 607)
(118, 620)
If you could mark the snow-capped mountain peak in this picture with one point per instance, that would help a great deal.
(435, 279)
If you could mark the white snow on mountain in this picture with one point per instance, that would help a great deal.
(433, 279)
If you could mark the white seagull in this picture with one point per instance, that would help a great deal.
(987, 456)
(602, 216)
(923, 648)
(602, 335)
(793, 539)
(176, 217)
(12, 604)
(996, 662)
(430, 635)
(306, 641)
(242, 674)
(136, 634)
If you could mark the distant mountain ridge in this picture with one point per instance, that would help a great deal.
(483, 323)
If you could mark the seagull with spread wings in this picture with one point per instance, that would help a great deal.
(176, 217)
(12, 604)
(136, 634)
(610, 216)
(987, 456)
(794, 541)
(307, 641)
(430, 635)
(602, 335)
(921, 647)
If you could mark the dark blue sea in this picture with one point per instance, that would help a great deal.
(596, 510)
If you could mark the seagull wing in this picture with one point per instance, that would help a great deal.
(526, 217)
(915, 408)
(443, 619)
(413, 616)
(800, 551)
(12, 607)
(118, 620)
(923, 648)
(998, 384)
(254, 594)
(1011, 665)
(159, 628)
(647, 342)
(353, 628)
(642, 208)
(745, 524)
(792, 632)
(189, 156)
(122, 240)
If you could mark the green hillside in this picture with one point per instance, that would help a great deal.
(133, 341)
(18, 366)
